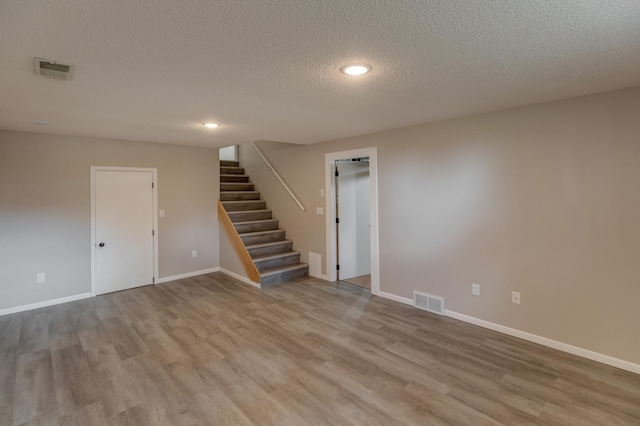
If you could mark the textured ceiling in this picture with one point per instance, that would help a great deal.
(153, 70)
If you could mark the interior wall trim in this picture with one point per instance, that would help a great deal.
(187, 275)
(396, 298)
(530, 337)
(544, 341)
(44, 304)
(330, 212)
(239, 278)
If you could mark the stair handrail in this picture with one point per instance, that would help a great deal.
(278, 176)
(242, 252)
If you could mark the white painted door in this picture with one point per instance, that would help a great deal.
(123, 230)
(354, 241)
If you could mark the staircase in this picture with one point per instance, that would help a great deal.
(271, 253)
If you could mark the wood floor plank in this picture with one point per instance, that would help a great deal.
(92, 414)
(73, 380)
(254, 402)
(9, 331)
(209, 350)
(8, 368)
(34, 387)
(117, 390)
(123, 338)
(6, 415)
(210, 408)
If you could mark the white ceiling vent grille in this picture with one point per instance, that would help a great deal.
(428, 303)
(52, 69)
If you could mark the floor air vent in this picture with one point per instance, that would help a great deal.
(428, 303)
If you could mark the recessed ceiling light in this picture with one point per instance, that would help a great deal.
(355, 69)
(211, 125)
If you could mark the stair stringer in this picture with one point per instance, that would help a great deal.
(242, 254)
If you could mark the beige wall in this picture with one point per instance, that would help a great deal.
(229, 260)
(45, 210)
(544, 200)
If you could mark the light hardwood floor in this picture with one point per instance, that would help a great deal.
(212, 351)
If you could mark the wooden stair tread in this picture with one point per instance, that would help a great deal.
(238, 192)
(270, 231)
(241, 201)
(285, 268)
(275, 256)
(245, 211)
(244, 205)
(273, 243)
(251, 222)
(237, 184)
(233, 175)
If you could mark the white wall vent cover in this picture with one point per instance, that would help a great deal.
(428, 303)
(53, 69)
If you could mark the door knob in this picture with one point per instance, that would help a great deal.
(101, 244)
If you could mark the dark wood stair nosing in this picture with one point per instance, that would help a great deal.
(256, 233)
(244, 205)
(285, 268)
(238, 185)
(276, 256)
(256, 225)
(245, 211)
(252, 222)
(265, 245)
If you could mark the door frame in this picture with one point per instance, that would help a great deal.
(154, 180)
(330, 209)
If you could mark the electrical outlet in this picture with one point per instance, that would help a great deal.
(320, 210)
(40, 278)
(194, 253)
(322, 192)
(515, 297)
(475, 289)
(161, 213)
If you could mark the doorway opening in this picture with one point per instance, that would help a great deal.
(352, 217)
(353, 248)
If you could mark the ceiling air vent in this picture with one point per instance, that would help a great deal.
(52, 69)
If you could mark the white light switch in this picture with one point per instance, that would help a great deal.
(161, 213)
(319, 210)
(322, 192)
(194, 253)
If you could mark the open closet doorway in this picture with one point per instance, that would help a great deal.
(353, 213)
(351, 207)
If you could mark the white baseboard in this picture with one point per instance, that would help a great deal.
(400, 299)
(239, 278)
(187, 275)
(44, 304)
(564, 347)
(320, 276)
